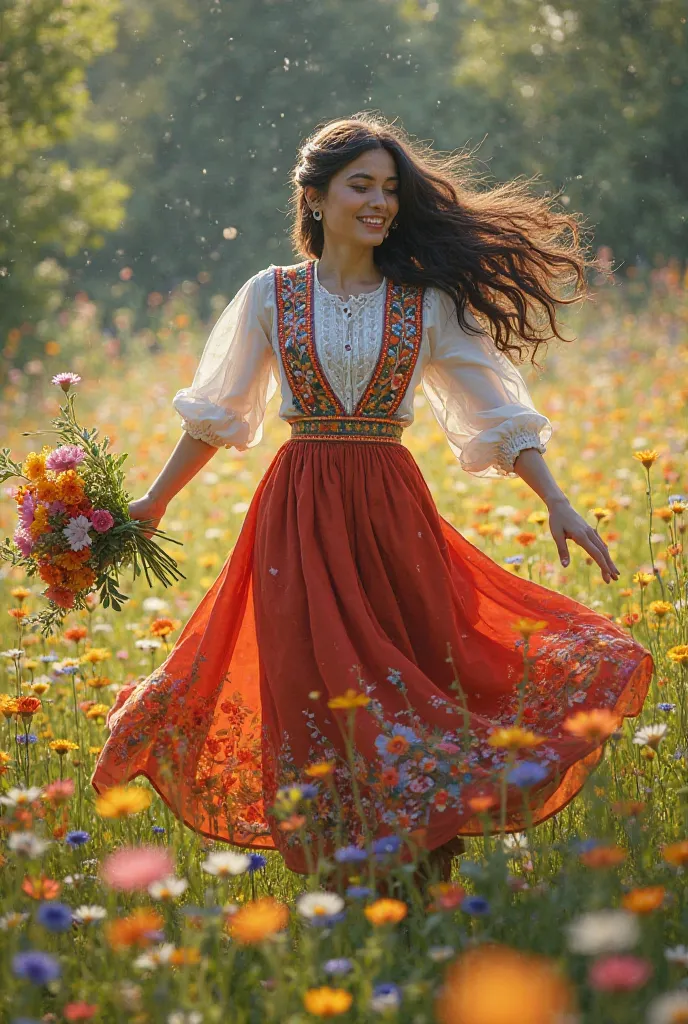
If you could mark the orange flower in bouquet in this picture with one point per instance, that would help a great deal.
(74, 530)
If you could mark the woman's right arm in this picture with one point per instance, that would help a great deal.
(187, 458)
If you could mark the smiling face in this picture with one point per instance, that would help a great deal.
(362, 199)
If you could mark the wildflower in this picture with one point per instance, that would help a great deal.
(644, 901)
(256, 862)
(20, 593)
(665, 706)
(476, 906)
(349, 700)
(62, 747)
(679, 654)
(27, 707)
(338, 965)
(386, 911)
(226, 863)
(86, 914)
(446, 895)
(59, 792)
(17, 796)
(603, 931)
(258, 920)
(163, 627)
(320, 770)
(101, 520)
(94, 656)
(76, 532)
(56, 917)
(593, 726)
(528, 627)
(79, 1011)
(516, 844)
(358, 892)
(38, 968)
(65, 380)
(41, 888)
(647, 456)
(350, 855)
(26, 738)
(139, 929)
(650, 735)
(603, 857)
(669, 1008)
(12, 920)
(66, 456)
(439, 954)
(121, 801)
(676, 853)
(677, 955)
(619, 973)
(319, 904)
(492, 984)
(168, 888)
(28, 844)
(97, 711)
(327, 1002)
(386, 996)
(514, 738)
(482, 802)
(134, 868)
(525, 774)
(147, 645)
(385, 846)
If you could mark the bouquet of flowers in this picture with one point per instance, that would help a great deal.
(74, 528)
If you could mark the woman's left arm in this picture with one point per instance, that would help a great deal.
(564, 522)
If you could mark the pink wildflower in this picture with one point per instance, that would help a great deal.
(23, 540)
(60, 596)
(65, 380)
(102, 520)
(67, 456)
(55, 507)
(79, 1011)
(28, 509)
(619, 973)
(59, 792)
(136, 867)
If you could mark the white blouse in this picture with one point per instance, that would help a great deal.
(477, 394)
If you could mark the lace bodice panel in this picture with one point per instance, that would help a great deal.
(477, 395)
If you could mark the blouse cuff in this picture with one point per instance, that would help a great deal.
(500, 446)
(208, 422)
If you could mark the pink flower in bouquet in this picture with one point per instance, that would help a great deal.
(67, 456)
(136, 867)
(60, 596)
(65, 380)
(55, 507)
(22, 538)
(28, 510)
(76, 532)
(102, 520)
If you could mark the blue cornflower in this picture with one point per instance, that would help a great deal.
(386, 996)
(526, 774)
(350, 855)
(326, 920)
(584, 845)
(475, 905)
(513, 559)
(77, 838)
(257, 862)
(35, 966)
(158, 830)
(358, 892)
(22, 738)
(675, 497)
(66, 670)
(339, 965)
(47, 658)
(666, 707)
(56, 917)
(308, 791)
(385, 846)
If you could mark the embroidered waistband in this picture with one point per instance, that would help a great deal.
(342, 428)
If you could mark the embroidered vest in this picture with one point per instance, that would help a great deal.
(321, 413)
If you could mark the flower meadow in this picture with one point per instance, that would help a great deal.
(112, 910)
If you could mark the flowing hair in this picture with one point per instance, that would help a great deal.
(504, 252)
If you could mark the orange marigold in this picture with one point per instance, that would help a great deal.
(258, 920)
(644, 901)
(676, 853)
(136, 930)
(386, 911)
(593, 726)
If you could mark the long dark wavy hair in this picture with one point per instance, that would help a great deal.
(504, 252)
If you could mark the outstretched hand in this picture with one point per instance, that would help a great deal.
(566, 524)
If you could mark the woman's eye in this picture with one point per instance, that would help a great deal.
(362, 188)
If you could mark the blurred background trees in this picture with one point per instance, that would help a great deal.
(147, 143)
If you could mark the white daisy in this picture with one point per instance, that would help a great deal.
(167, 888)
(226, 863)
(28, 843)
(86, 914)
(319, 904)
(603, 931)
(147, 645)
(14, 653)
(179, 1017)
(670, 1008)
(12, 920)
(155, 957)
(650, 735)
(438, 954)
(154, 604)
(17, 796)
(516, 844)
(677, 955)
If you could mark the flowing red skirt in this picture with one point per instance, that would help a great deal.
(345, 576)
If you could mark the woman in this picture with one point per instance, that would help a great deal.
(355, 647)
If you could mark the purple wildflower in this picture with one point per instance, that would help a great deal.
(37, 967)
(65, 380)
(27, 511)
(56, 917)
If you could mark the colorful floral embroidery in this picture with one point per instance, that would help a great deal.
(362, 428)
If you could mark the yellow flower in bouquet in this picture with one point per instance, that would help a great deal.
(74, 529)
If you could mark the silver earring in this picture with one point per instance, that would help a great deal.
(317, 214)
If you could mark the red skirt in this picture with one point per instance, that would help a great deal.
(345, 577)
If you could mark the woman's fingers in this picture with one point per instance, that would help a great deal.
(596, 547)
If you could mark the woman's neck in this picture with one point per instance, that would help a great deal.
(347, 271)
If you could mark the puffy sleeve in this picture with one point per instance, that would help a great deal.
(478, 396)
(236, 377)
